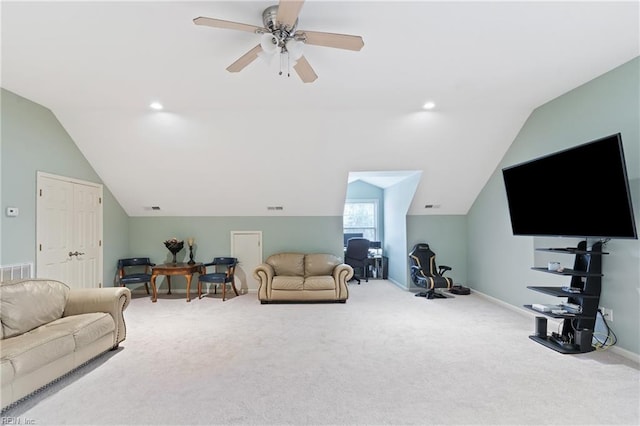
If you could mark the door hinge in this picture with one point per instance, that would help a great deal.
(99, 200)
(40, 247)
(41, 192)
(99, 243)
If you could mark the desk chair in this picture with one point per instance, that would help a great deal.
(425, 273)
(135, 270)
(357, 256)
(216, 277)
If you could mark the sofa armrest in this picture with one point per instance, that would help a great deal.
(111, 300)
(341, 274)
(264, 274)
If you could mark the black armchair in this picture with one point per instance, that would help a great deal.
(217, 277)
(425, 273)
(135, 270)
(357, 256)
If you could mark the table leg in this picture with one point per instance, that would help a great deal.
(188, 276)
(169, 281)
(154, 298)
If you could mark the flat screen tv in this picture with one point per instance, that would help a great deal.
(578, 192)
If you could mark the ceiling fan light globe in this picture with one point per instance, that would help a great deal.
(267, 58)
(269, 43)
(294, 47)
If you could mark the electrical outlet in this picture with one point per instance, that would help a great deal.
(607, 313)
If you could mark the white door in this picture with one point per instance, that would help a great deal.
(69, 231)
(246, 246)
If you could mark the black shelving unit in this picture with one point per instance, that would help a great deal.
(586, 280)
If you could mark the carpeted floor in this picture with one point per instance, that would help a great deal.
(384, 357)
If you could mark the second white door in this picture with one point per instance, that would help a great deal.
(246, 246)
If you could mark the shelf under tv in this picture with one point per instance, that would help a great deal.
(570, 250)
(562, 348)
(559, 292)
(567, 271)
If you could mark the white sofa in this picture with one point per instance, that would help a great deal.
(48, 330)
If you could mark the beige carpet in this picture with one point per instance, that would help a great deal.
(384, 357)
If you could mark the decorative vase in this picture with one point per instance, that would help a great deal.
(174, 247)
(191, 261)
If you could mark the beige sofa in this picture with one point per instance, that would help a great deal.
(48, 330)
(303, 277)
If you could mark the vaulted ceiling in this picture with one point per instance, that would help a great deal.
(235, 143)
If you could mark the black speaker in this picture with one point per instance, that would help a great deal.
(541, 327)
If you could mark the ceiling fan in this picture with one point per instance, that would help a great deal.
(279, 35)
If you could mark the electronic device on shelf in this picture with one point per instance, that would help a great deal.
(572, 289)
(573, 308)
(543, 307)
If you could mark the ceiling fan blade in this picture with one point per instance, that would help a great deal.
(304, 70)
(340, 41)
(219, 23)
(245, 59)
(288, 11)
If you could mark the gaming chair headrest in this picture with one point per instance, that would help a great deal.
(420, 247)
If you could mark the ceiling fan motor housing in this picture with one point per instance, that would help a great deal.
(270, 21)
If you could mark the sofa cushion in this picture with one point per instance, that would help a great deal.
(291, 264)
(30, 351)
(320, 282)
(284, 282)
(85, 328)
(320, 264)
(29, 303)
(6, 372)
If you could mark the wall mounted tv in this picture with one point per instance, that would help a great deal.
(578, 192)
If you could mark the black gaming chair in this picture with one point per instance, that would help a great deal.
(425, 273)
(357, 256)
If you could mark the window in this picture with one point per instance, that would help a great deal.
(361, 217)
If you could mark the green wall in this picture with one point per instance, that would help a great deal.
(446, 236)
(33, 140)
(307, 234)
(499, 263)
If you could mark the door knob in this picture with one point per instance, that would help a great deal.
(76, 253)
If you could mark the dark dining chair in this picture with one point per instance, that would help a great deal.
(135, 270)
(357, 256)
(217, 276)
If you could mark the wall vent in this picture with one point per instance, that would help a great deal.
(14, 272)
(275, 208)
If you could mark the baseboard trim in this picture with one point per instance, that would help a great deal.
(631, 356)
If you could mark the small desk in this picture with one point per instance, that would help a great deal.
(379, 266)
(169, 269)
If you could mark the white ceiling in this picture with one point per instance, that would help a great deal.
(233, 144)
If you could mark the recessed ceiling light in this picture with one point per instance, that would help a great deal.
(156, 105)
(429, 105)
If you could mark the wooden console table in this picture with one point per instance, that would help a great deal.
(169, 269)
